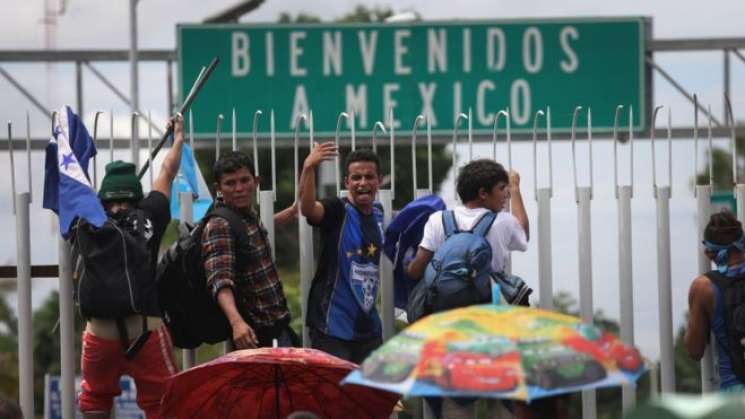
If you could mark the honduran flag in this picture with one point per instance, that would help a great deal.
(67, 187)
(190, 179)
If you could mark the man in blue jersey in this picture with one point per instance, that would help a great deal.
(342, 318)
(716, 301)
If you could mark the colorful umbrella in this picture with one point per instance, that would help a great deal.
(272, 383)
(499, 351)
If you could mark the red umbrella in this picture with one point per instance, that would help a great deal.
(272, 383)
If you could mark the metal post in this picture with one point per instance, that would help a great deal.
(702, 193)
(305, 238)
(414, 129)
(387, 308)
(625, 261)
(25, 328)
(709, 379)
(218, 138)
(111, 135)
(266, 212)
(352, 124)
(235, 139)
(337, 169)
(186, 207)
(79, 87)
(378, 126)
(726, 82)
(67, 324)
(391, 137)
(739, 187)
(150, 150)
(12, 164)
(543, 196)
(455, 157)
(386, 197)
(265, 198)
(665, 290)
(589, 409)
(133, 144)
(134, 79)
(169, 84)
(95, 143)
(273, 144)
(583, 197)
(545, 267)
(254, 136)
(67, 330)
(470, 135)
(662, 196)
(625, 281)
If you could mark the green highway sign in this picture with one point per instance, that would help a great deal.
(433, 68)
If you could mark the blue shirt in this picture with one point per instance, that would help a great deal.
(342, 296)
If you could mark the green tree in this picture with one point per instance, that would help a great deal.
(363, 14)
(301, 17)
(46, 342)
(687, 371)
(8, 351)
(721, 162)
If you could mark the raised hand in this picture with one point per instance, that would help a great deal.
(321, 152)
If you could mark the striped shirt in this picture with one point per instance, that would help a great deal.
(257, 290)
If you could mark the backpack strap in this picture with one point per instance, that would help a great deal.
(718, 279)
(236, 225)
(483, 226)
(448, 223)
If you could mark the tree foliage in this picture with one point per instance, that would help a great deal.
(721, 162)
(8, 351)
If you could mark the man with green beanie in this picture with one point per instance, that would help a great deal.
(137, 343)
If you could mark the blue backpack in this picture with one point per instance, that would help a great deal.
(459, 273)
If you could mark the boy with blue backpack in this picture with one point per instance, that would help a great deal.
(484, 187)
(463, 250)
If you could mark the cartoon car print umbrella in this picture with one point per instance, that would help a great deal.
(499, 351)
(271, 383)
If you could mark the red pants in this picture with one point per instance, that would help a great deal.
(103, 363)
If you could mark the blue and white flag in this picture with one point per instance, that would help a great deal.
(67, 187)
(189, 179)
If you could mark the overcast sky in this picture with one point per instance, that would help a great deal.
(95, 24)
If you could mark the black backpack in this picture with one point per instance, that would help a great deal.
(733, 298)
(189, 310)
(113, 273)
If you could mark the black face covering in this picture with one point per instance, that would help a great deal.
(125, 218)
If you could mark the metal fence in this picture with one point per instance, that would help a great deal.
(544, 195)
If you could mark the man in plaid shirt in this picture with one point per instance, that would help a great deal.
(248, 291)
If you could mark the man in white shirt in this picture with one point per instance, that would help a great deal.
(483, 185)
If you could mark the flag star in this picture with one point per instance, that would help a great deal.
(359, 251)
(67, 160)
(349, 255)
(371, 250)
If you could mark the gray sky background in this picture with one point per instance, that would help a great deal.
(104, 25)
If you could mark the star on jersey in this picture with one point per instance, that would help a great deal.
(368, 251)
(371, 249)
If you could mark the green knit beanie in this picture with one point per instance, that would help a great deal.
(120, 183)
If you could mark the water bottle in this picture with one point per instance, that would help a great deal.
(496, 294)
